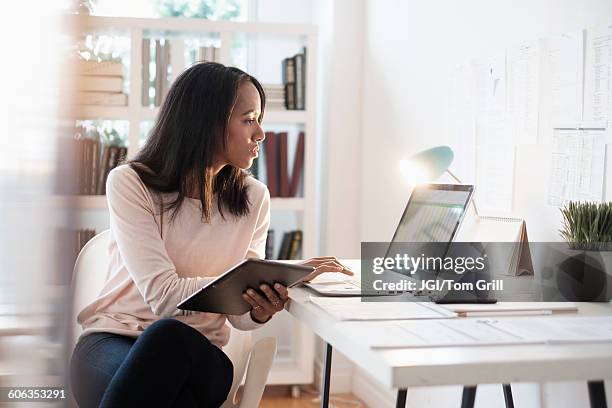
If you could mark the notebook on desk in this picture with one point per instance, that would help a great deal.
(493, 229)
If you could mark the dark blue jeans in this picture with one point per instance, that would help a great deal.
(169, 365)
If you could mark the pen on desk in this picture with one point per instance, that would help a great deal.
(506, 313)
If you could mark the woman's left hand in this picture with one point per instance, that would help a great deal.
(325, 264)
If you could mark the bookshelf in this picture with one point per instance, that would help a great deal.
(295, 357)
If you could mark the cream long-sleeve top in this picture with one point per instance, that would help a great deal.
(155, 262)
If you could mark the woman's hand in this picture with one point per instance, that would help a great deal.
(325, 264)
(265, 307)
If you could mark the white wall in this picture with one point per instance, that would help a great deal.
(409, 48)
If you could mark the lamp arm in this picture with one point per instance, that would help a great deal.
(450, 173)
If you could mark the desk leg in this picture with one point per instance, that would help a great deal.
(508, 396)
(597, 394)
(469, 396)
(401, 398)
(326, 377)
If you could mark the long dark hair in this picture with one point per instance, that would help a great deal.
(191, 127)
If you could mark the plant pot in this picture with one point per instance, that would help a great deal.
(585, 276)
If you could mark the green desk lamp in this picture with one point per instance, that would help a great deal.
(428, 165)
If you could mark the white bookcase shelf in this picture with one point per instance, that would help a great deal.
(125, 112)
(295, 366)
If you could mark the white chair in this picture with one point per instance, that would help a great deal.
(255, 359)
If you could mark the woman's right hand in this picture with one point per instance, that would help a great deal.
(265, 307)
(325, 264)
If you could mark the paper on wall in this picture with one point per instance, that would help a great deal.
(562, 82)
(523, 64)
(495, 149)
(460, 121)
(598, 75)
(578, 165)
(494, 137)
(490, 84)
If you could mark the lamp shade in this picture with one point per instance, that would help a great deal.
(428, 165)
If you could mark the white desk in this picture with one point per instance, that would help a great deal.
(403, 368)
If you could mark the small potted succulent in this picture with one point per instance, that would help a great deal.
(585, 274)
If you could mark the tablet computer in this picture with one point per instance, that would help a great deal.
(224, 294)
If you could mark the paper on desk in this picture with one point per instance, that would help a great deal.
(561, 330)
(489, 332)
(352, 308)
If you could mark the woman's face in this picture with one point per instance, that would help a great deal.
(245, 132)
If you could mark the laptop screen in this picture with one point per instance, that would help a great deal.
(433, 213)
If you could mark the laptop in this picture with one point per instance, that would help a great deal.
(434, 213)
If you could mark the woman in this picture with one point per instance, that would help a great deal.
(182, 211)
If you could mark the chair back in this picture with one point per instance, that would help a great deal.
(89, 275)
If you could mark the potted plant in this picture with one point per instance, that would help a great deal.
(584, 275)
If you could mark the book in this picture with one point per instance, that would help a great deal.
(146, 76)
(87, 143)
(100, 98)
(271, 163)
(270, 244)
(94, 166)
(290, 96)
(293, 74)
(298, 166)
(158, 72)
(177, 58)
(288, 76)
(209, 54)
(283, 175)
(103, 173)
(288, 72)
(165, 84)
(79, 168)
(100, 83)
(99, 68)
(295, 245)
(283, 253)
(299, 81)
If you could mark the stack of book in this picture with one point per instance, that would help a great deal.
(100, 83)
(291, 245)
(280, 183)
(294, 81)
(209, 54)
(275, 96)
(94, 161)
